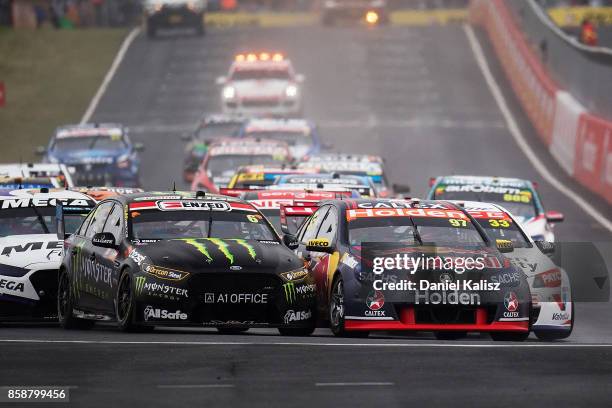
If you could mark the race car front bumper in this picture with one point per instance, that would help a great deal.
(230, 300)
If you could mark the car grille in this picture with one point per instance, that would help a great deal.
(444, 315)
(208, 287)
(92, 173)
(260, 103)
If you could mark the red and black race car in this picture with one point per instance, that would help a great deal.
(443, 282)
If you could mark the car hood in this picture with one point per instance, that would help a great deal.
(220, 255)
(38, 251)
(260, 88)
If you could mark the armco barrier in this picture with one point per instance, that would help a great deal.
(580, 142)
(528, 79)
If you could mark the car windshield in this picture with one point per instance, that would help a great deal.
(520, 205)
(35, 220)
(98, 142)
(215, 130)
(431, 231)
(260, 74)
(158, 225)
(291, 138)
(504, 229)
(218, 165)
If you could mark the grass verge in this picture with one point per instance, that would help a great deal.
(50, 76)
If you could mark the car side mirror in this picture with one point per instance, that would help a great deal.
(139, 147)
(504, 246)
(320, 245)
(104, 240)
(221, 80)
(401, 188)
(40, 150)
(547, 248)
(290, 241)
(554, 216)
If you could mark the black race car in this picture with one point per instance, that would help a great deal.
(210, 128)
(180, 259)
(447, 280)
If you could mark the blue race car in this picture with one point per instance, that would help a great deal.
(100, 153)
(301, 135)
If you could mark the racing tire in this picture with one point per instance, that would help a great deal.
(65, 304)
(450, 335)
(336, 312)
(232, 330)
(509, 336)
(126, 306)
(546, 335)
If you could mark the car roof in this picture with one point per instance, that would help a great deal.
(343, 157)
(89, 129)
(173, 195)
(485, 180)
(279, 125)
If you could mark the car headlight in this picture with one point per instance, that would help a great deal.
(291, 91)
(229, 92)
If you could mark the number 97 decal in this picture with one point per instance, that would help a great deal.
(457, 223)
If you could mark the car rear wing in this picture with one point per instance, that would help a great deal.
(233, 192)
(296, 209)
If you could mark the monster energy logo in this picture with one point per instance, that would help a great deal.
(200, 247)
(140, 281)
(223, 248)
(290, 295)
(248, 247)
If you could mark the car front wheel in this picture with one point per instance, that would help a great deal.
(336, 312)
(65, 306)
(126, 305)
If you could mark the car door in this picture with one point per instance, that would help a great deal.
(324, 264)
(91, 275)
(108, 257)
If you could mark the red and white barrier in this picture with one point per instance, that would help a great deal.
(581, 143)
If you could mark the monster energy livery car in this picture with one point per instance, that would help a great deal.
(31, 251)
(153, 259)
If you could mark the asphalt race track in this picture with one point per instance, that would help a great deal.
(412, 95)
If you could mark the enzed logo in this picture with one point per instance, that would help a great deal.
(290, 294)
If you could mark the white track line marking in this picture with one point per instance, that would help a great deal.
(313, 344)
(109, 75)
(188, 386)
(520, 138)
(355, 384)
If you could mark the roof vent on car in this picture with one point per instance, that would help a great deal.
(335, 175)
(44, 190)
(320, 185)
(200, 194)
